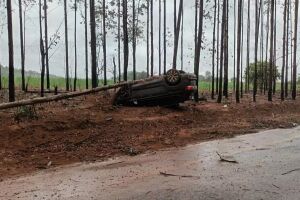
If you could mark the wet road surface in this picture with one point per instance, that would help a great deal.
(268, 167)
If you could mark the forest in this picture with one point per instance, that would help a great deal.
(241, 62)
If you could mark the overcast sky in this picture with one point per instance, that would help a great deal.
(57, 60)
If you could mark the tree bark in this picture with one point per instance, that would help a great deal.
(125, 41)
(165, 36)
(152, 38)
(66, 46)
(220, 94)
(46, 44)
(75, 43)
(119, 38)
(177, 35)
(134, 39)
(271, 61)
(11, 81)
(283, 50)
(213, 53)
(239, 26)
(93, 44)
(104, 41)
(42, 49)
(22, 45)
(199, 44)
(86, 46)
(294, 91)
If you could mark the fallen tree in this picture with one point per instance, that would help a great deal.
(62, 96)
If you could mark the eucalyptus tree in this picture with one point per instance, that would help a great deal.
(283, 49)
(11, 81)
(294, 91)
(93, 44)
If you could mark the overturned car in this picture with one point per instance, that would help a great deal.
(167, 90)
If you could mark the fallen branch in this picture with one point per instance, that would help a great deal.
(224, 159)
(64, 96)
(181, 176)
(294, 170)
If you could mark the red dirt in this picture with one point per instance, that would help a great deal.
(90, 129)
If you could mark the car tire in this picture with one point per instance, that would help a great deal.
(173, 77)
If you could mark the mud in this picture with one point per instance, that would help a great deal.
(89, 129)
(266, 168)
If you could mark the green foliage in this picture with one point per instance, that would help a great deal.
(262, 68)
(25, 113)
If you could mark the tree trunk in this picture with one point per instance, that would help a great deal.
(134, 40)
(213, 53)
(257, 14)
(11, 81)
(294, 92)
(46, 44)
(119, 38)
(42, 49)
(152, 38)
(75, 44)
(248, 49)
(22, 45)
(196, 33)
(239, 26)
(199, 43)
(271, 61)
(177, 34)
(274, 49)
(104, 41)
(283, 49)
(115, 70)
(148, 40)
(86, 46)
(225, 89)
(223, 33)
(218, 48)
(165, 36)
(93, 44)
(159, 37)
(66, 45)
(125, 41)
(181, 45)
(286, 87)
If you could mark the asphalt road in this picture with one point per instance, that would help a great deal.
(268, 167)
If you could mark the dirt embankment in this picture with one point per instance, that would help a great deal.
(89, 129)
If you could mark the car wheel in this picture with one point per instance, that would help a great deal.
(173, 77)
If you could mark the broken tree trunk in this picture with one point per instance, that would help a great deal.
(63, 96)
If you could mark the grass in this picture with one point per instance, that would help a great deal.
(34, 83)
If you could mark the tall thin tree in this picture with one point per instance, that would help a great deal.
(11, 81)
(238, 65)
(271, 60)
(66, 45)
(134, 39)
(22, 45)
(86, 46)
(199, 45)
(283, 50)
(125, 40)
(75, 45)
(165, 36)
(214, 52)
(93, 44)
(220, 92)
(104, 41)
(294, 91)
(42, 49)
(46, 44)
(152, 38)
